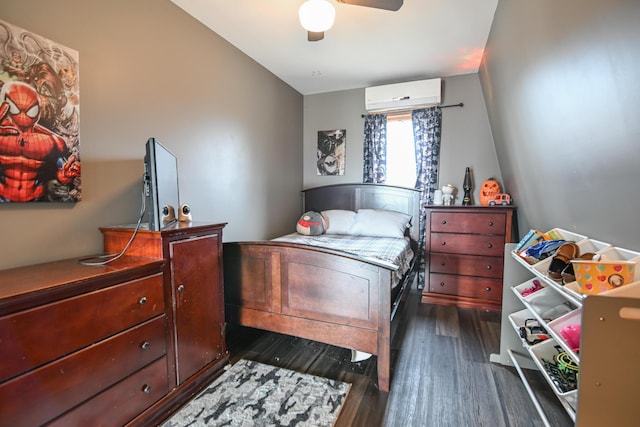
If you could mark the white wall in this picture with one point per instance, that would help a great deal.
(561, 84)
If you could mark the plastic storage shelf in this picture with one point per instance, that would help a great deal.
(558, 308)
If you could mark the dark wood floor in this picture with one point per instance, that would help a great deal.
(441, 376)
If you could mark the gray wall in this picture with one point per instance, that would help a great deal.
(561, 84)
(466, 135)
(149, 69)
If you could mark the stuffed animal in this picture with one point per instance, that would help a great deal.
(311, 223)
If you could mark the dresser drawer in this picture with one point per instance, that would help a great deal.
(124, 401)
(34, 337)
(470, 244)
(468, 265)
(65, 383)
(464, 286)
(476, 223)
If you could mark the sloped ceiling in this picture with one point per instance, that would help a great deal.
(365, 47)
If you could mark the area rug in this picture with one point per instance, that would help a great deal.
(254, 394)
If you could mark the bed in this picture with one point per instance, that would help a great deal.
(323, 294)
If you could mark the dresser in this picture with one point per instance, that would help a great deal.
(464, 249)
(194, 297)
(82, 340)
(127, 343)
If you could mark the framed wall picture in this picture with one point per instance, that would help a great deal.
(330, 158)
(39, 118)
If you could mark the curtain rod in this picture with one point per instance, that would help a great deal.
(460, 104)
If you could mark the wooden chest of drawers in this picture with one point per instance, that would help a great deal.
(464, 246)
(127, 343)
(73, 334)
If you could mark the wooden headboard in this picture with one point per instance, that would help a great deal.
(366, 196)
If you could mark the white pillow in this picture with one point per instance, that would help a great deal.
(380, 223)
(338, 221)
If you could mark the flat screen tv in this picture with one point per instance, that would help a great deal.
(160, 185)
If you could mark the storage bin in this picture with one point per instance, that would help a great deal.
(520, 319)
(544, 355)
(555, 234)
(549, 304)
(594, 246)
(595, 277)
(529, 284)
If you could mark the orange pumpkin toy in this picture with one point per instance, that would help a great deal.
(488, 190)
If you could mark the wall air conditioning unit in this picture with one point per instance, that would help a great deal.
(403, 96)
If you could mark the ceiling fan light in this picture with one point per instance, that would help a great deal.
(316, 15)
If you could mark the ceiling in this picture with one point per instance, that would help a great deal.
(365, 47)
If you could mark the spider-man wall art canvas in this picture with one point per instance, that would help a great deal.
(39, 119)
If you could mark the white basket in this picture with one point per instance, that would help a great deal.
(594, 246)
(615, 253)
(518, 320)
(549, 304)
(558, 233)
(546, 350)
(527, 285)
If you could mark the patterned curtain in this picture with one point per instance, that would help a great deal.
(375, 149)
(426, 135)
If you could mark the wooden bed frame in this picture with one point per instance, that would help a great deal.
(320, 294)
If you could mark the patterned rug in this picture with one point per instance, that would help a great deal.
(253, 394)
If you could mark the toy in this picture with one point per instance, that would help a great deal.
(488, 191)
(500, 199)
(533, 332)
(571, 334)
(311, 223)
(447, 194)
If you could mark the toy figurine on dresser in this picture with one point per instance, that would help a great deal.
(448, 194)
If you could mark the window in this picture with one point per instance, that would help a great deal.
(401, 157)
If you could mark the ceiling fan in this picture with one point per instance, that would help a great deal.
(317, 16)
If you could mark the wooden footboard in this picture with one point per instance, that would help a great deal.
(312, 293)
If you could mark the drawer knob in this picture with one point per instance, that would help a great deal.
(490, 245)
(442, 263)
(441, 283)
(146, 388)
(143, 300)
(444, 221)
(181, 288)
(145, 345)
(488, 289)
(489, 267)
(490, 223)
(443, 243)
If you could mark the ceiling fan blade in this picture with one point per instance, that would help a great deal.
(378, 4)
(313, 36)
